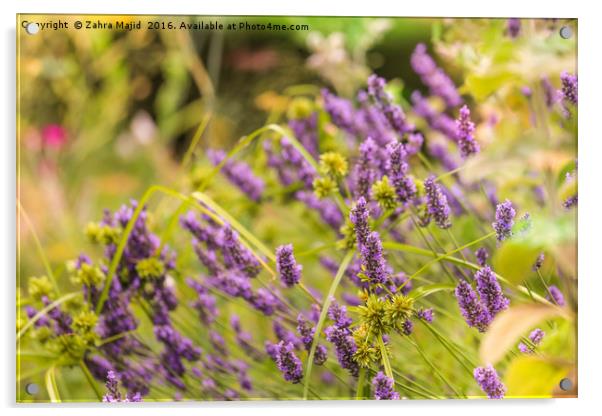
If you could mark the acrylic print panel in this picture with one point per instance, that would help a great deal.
(287, 208)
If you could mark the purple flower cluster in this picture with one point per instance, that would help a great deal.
(504, 220)
(478, 311)
(397, 168)
(287, 267)
(490, 291)
(538, 262)
(341, 111)
(489, 382)
(440, 122)
(288, 363)
(239, 173)
(373, 260)
(205, 303)
(434, 77)
(289, 163)
(393, 113)
(382, 387)
(513, 27)
(142, 272)
(536, 336)
(231, 265)
(474, 312)
(328, 210)
(307, 332)
(113, 394)
(437, 206)
(359, 218)
(426, 315)
(464, 135)
(365, 172)
(556, 295)
(482, 255)
(569, 91)
(306, 131)
(340, 335)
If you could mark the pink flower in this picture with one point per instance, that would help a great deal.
(54, 135)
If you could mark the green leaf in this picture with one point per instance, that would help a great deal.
(533, 377)
(482, 86)
(514, 260)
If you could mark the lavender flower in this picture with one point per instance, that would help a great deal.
(482, 255)
(440, 152)
(536, 336)
(490, 291)
(426, 314)
(504, 220)
(328, 210)
(570, 202)
(434, 77)
(569, 88)
(239, 173)
(382, 386)
(305, 130)
(556, 294)
(289, 363)
(338, 314)
(401, 282)
(364, 173)
(359, 217)
(464, 135)
(436, 203)
(286, 265)
(475, 314)
(513, 27)
(407, 327)
(405, 187)
(307, 331)
(489, 382)
(549, 91)
(264, 301)
(393, 113)
(113, 394)
(237, 255)
(373, 261)
(440, 122)
(340, 335)
(341, 111)
(205, 303)
(538, 262)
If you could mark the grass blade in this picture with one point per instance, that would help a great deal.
(325, 306)
(51, 387)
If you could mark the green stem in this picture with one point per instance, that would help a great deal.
(435, 369)
(325, 306)
(359, 394)
(51, 387)
(450, 347)
(196, 138)
(39, 248)
(91, 380)
(385, 358)
(418, 389)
